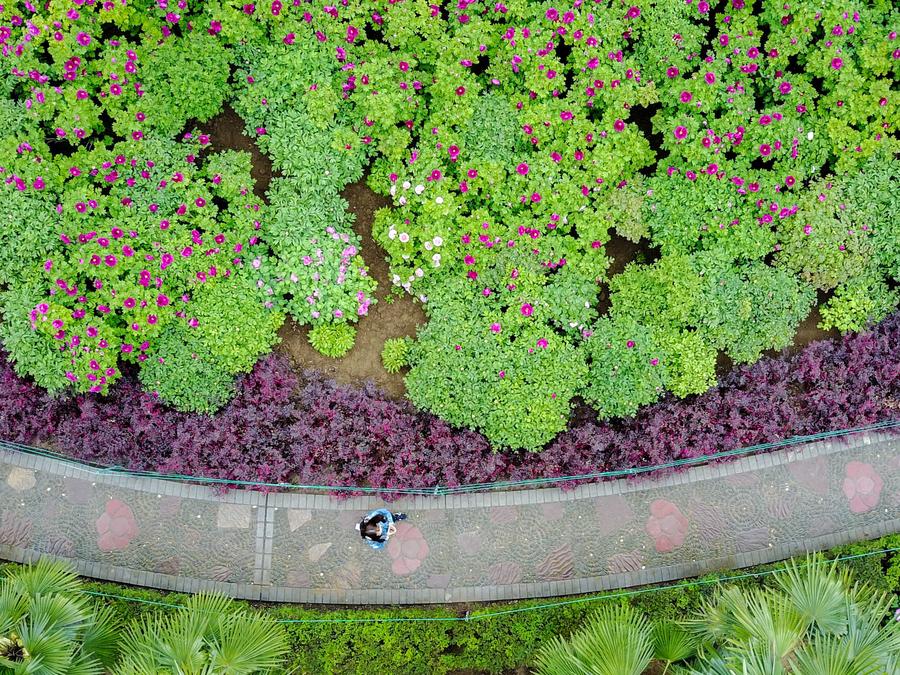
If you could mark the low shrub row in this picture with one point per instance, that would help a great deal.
(278, 428)
(391, 640)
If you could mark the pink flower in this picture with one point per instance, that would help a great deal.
(785, 88)
(710, 78)
(837, 63)
(542, 343)
(680, 132)
(527, 310)
(630, 344)
(619, 125)
(522, 169)
(565, 115)
(671, 72)
(666, 525)
(862, 487)
(495, 327)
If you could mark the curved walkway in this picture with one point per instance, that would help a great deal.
(472, 547)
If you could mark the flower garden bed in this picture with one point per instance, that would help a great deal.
(311, 430)
(751, 152)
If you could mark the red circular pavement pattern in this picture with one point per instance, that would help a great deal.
(667, 525)
(116, 527)
(407, 549)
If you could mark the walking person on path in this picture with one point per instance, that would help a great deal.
(377, 527)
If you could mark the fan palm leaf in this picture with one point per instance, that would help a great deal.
(617, 640)
(818, 592)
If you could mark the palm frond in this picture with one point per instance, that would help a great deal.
(818, 591)
(832, 655)
(50, 653)
(100, 638)
(558, 657)
(671, 642)
(244, 645)
(44, 577)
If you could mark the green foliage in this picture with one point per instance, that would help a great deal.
(233, 326)
(185, 79)
(209, 635)
(393, 355)
(627, 369)
(617, 640)
(858, 303)
(28, 236)
(666, 293)
(313, 270)
(46, 628)
(185, 374)
(495, 363)
(332, 339)
(30, 352)
(749, 309)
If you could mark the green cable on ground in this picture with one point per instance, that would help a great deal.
(518, 610)
(461, 489)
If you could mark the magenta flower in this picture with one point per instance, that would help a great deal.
(542, 343)
(785, 88)
(837, 63)
(527, 310)
(680, 132)
(522, 169)
(619, 125)
(495, 327)
(83, 39)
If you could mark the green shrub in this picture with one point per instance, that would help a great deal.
(332, 339)
(858, 303)
(496, 363)
(185, 374)
(393, 355)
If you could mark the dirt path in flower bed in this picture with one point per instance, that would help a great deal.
(388, 318)
(402, 315)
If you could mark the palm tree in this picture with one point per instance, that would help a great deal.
(207, 637)
(47, 629)
(617, 640)
(814, 622)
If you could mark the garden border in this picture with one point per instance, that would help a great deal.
(265, 505)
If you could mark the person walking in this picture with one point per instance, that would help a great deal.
(378, 526)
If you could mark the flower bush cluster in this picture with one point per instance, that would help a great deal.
(752, 144)
(277, 428)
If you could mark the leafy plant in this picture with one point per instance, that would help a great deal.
(333, 340)
(47, 628)
(393, 355)
(209, 635)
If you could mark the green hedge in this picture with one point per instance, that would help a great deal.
(493, 645)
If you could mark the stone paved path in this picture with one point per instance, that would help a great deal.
(460, 548)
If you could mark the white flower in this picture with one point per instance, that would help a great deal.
(402, 201)
(437, 241)
(572, 324)
(404, 237)
(392, 233)
(436, 258)
(420, 189)
(809, 136)
(396, 279)
(405, 256)
(438, 200)
(587, 304)
(406, 185)
(419, 272)
(428, 246)
(406, 286)
(423, 298)
(393, 190)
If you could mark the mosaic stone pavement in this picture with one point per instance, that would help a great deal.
(488, 546)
